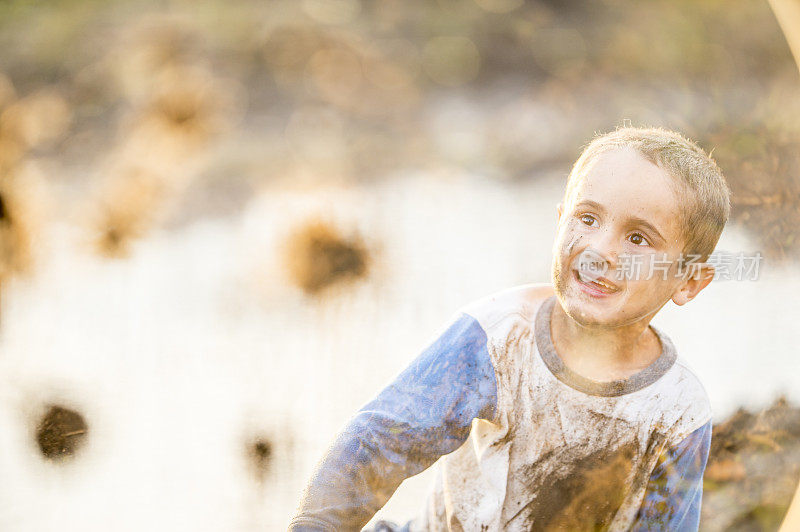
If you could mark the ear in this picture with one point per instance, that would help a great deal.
(701, 275)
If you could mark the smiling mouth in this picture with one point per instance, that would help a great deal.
(595, 284)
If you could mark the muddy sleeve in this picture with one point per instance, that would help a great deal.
(675, 490)
(426, 412)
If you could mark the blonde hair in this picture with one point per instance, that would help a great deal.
(703, 191)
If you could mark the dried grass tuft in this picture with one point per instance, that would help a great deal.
(129, 208)
(159, 153)
(18, 200)
(260, 455)
(188, 107)
(319, 256)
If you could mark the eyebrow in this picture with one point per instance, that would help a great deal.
(633, 220)
(590, 203)
(641, 222)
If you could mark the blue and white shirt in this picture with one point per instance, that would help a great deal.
(525, 443)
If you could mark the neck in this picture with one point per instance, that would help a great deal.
(594, 351)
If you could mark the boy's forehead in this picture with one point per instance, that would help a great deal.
(625, 172)
(622, 163)
(624, 181)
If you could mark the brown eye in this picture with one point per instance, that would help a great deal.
(588, 219)
(638, 239)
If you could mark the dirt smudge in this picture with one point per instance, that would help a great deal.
(581, 493)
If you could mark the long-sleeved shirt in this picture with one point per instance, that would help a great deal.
(527, 444)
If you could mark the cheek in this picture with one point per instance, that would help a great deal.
(569, 237)
(574, 240)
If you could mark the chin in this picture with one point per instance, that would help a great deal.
(605, 314)
(589, 315)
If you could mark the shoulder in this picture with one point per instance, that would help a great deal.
(692, 388)
(517, 302)
(686, 398)
(506, 317)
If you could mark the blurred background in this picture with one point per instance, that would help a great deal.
(225, 226)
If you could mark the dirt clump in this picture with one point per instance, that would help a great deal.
(318, 256)
(61, 432)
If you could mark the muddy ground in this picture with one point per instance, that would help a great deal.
(753, 469)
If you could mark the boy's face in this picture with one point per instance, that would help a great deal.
(615, 257)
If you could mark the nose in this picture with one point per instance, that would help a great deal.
(606, 243)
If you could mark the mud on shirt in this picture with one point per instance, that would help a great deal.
(525, 443)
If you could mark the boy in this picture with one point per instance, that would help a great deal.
(557, 406)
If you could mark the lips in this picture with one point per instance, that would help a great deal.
(596, 284)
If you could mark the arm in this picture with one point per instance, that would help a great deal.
(675, 490)
(425, 413)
